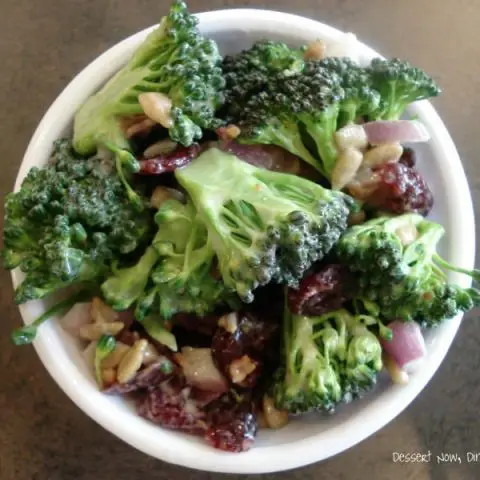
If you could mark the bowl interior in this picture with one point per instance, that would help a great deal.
(306, 439)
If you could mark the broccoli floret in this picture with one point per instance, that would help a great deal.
(174, 60)
(405, 277)
(327, 359)
(263, 225)
(307, 101)
(127, 284)
(399, 84)
(360, 99)
(248, 72)
(174, 274)
(309, 380)
(315, 102)
(68, 223)
(182, 279)
(363, 358)
(374, 249)
(301, 112)
(57, 263)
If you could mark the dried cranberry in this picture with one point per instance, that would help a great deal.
(171, 406)
(127, 336)
(127, 318)
(169, 162)
(269, 303)
(408, 158)
(189, 338)
(323, 291)
(202, 398)
(252, 337)
(145, 136)
(232, 423)
(190, 322)
(401, 189)
(237, 436)
(269, 157)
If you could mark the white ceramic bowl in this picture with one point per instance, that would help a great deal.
(304, 440)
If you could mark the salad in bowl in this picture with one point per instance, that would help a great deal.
(238, 239)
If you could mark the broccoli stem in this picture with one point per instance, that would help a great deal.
(326, 148)
(474, 295)
(417, 255)
(385, 332)
(322, 130)
(475, 274)
(25, 335)
(287, 137)
(125, 161)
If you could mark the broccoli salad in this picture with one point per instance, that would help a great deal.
(238, 240)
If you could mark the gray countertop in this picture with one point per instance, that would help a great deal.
(43, 44)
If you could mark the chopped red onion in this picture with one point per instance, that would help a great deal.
(407, 347)
(401, 131)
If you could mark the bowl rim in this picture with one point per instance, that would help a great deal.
(290, 455)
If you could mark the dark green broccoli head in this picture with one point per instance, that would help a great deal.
(248, 72)
(300, 112)
(279, 129)
(313, 103)
(317, 106)
(327, 359)
(375, 250)
(433, 301)
(441, 300)
(174, 60)
(399, 84)
(308, 101)
(262, 225)
(406, 278)
(360, 98)
(68, 222)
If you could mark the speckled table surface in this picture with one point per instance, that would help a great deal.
(43, 44)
